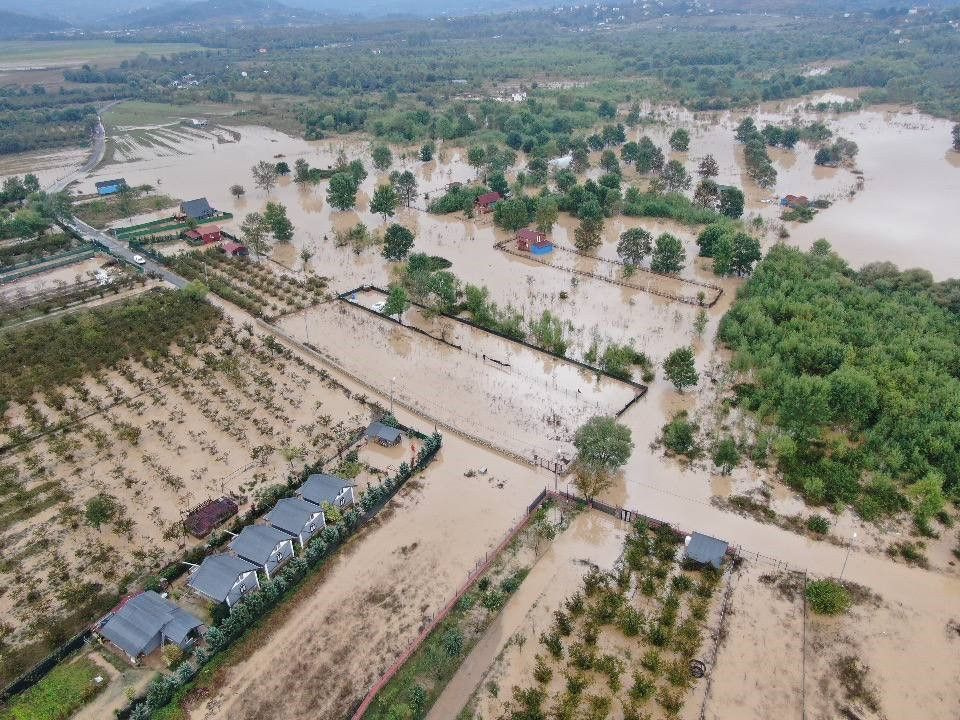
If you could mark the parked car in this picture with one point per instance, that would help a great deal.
(139, 259)
(379, 306)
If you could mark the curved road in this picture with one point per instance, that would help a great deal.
(96, 154)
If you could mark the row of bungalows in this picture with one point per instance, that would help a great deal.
(293, 522)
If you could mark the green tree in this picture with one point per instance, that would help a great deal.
(342, 191)
(498, 184)
(282, 168)
(675, 176)
(547, 213)
(237, 190)
(548, 332)
(668, 254)
(709, 236)
(586, 236)
(731, 201)
(649, 156)
(264, 175)
(603, 444)
(635, 244)
(254, 230)
(537, 170)
(476, 157)
(511, 214)
(565, 179)
(301, 171)
(725, 455)
(397, 242)
(746, 251)
(405, 185)
(384, 201)
(804, 406)
(100, 509)
(722, 251)
(397, 302)
(427, 150)
(443, 288)
(707, 194)
(680, 140)
(609, 162)
(275, 216)
(709, 167)
(680, 369)
(956, 137)
(927, 498)
(382, 157)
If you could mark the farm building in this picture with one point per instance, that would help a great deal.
(484, 203)
(205, 234)
(705, 550)
(321, 487)
(384, 434)
(297, 517)
(264, 546)
(110, 187)
(144, 622)
(794, 201)
(198, 209)
(224, 578)
(533, 241)
(208, 514)
(234, 249)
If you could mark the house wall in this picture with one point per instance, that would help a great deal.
(248, 582)
(279, 557)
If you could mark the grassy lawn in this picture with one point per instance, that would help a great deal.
(136, 113)
(16, 53)
(102, 211)
(67, 688)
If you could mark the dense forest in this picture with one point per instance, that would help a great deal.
(860, 374)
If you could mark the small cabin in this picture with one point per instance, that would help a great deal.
(484, 203)
(533, 241)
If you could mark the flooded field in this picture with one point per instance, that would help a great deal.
(882, 658)
(155, 437)
(515, 397)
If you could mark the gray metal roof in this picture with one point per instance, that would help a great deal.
(292, 514)
(383, 432)
(706, 550)
(257, 543)
(196, 209)
(135, 625)
(321, 488)
(217, 575)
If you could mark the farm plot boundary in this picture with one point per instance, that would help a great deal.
(504, 246)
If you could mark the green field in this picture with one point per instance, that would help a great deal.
(106, 53)
(65, 690)
(137, 113)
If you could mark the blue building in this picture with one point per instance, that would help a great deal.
(110, 187)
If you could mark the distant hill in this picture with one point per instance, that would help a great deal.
(16, 25)
(219, 13)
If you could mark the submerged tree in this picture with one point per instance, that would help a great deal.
(397, 242)
(384, 201)
(680, 369)
(342, 191)
(668, 254)
(635, 244)
(709, 167)
(680, 140)
(264, 175)
(603, 445)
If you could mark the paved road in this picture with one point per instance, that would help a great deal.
(96, 154)
(120, 249)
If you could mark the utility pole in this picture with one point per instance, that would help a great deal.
(847, 556)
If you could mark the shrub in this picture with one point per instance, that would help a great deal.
(827, 597)
(562, 622)
(553, 644)
(542, 672)
(651, 661)
(643, 688)
(818, 524)
(679, 436)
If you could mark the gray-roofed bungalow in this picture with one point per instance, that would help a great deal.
(224, 578)
(383, 434)
(198, 209)
(144, 622)
(298, 518)
(706, 550)
(321, 488)
(264, 546)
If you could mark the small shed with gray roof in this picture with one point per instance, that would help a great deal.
(264, 546)
(384, 434)
(706, 550)
(297, 517)
(224, 578)
(144, 622)
(322, 488)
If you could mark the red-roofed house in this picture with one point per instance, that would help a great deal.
(484, 203)
(234, 249)
(795, 201)
(206, 234)
(533, 241)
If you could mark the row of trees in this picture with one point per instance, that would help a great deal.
(733, 250)
(759, 167)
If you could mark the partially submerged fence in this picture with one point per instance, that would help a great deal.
(50, 263)
(504, 245)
